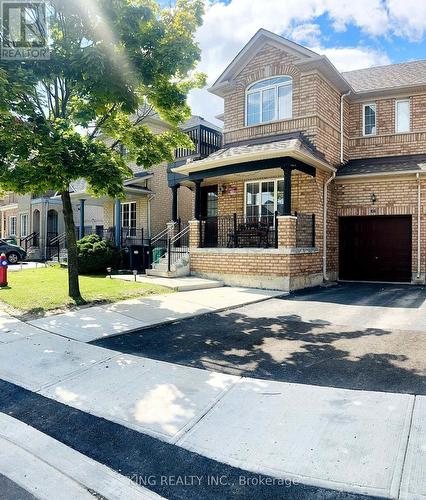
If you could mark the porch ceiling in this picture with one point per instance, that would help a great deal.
(262, 153)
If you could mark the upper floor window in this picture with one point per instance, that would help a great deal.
(269, 100)
(402, 116)
(369, 119)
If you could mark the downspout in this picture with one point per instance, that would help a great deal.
(151, 197)
(325, 194)
(324, 234)
(418, 225)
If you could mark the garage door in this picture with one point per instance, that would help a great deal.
(375, 248)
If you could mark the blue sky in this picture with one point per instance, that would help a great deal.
(351, 33)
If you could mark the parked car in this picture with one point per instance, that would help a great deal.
(14, 253)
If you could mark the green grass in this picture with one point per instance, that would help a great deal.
(35, 291)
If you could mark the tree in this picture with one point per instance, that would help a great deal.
(112, 62)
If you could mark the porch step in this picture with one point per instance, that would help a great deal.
(185, 284)
(164, 273)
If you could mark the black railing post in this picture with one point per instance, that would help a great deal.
(276, 229)
(235, 231)
(169, 254)
(200, 233)
(313, 230)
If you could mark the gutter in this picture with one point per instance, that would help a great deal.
(342, 97)
(418, 226)
(324, 235)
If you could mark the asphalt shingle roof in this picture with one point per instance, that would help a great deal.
(282, 143)
(386, 77)
(394, 164)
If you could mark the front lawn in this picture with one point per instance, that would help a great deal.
(38, 290)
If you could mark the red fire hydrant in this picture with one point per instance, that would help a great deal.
(3, 270)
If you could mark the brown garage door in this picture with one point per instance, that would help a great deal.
(375, 248)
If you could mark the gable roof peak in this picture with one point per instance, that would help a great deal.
(257, 41)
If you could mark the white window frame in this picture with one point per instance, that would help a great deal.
(396, 116)
(259, 182)
(129, 204)
(21, 217)
(9, 225)
(275, 86)
(371, 104)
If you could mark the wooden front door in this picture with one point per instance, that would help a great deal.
(375, 248)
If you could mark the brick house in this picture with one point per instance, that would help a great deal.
(321, 173)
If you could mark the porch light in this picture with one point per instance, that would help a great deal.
(373, 198)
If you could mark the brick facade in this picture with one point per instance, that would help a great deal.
(316, 113)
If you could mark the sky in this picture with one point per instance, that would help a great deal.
(353, 34)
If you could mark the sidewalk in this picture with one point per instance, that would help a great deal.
(355, 441)
(88, 324)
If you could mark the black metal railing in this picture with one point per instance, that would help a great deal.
(305, 230)
(30, 240)
(239, 231)
(177, 247)
(206, 141)
(55, 243)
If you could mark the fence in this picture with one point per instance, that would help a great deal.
(239, 231)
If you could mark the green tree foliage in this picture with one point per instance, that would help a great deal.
(112, 63)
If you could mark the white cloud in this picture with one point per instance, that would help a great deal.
(349, 58)
(408, 18)
(228, 27)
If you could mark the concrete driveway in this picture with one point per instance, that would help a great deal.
(355, 336)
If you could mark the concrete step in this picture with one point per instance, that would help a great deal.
(182, 284)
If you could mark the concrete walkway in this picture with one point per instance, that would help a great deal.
(88, 324)
(355, 441)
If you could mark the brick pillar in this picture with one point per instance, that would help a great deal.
(286, 231)
(194, 233)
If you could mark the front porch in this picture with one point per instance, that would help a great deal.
(259, 214)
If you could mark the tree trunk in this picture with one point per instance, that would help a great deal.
(73, 284)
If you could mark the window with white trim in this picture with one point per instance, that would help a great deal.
(12, 225)
(24, 225)
(269, 100)
(369, 119)
(128, 217)
(402, 116)
(264, 198)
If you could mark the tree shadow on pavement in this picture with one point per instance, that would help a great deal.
(285, 348)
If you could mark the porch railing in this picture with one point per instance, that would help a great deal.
(305, 230)
(29, 241)
(239, 231)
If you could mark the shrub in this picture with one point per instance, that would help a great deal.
(95, 255)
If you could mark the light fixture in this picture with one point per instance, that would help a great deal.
(373, 198)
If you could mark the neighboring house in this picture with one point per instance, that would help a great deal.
(321, 175)
(147, 206)
(33, 221)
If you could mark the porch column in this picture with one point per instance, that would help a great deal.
(175, 202)
(81, 228)
(117, 219)
(197, 211)
(287, 169)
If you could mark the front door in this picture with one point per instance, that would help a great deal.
(209, 213)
